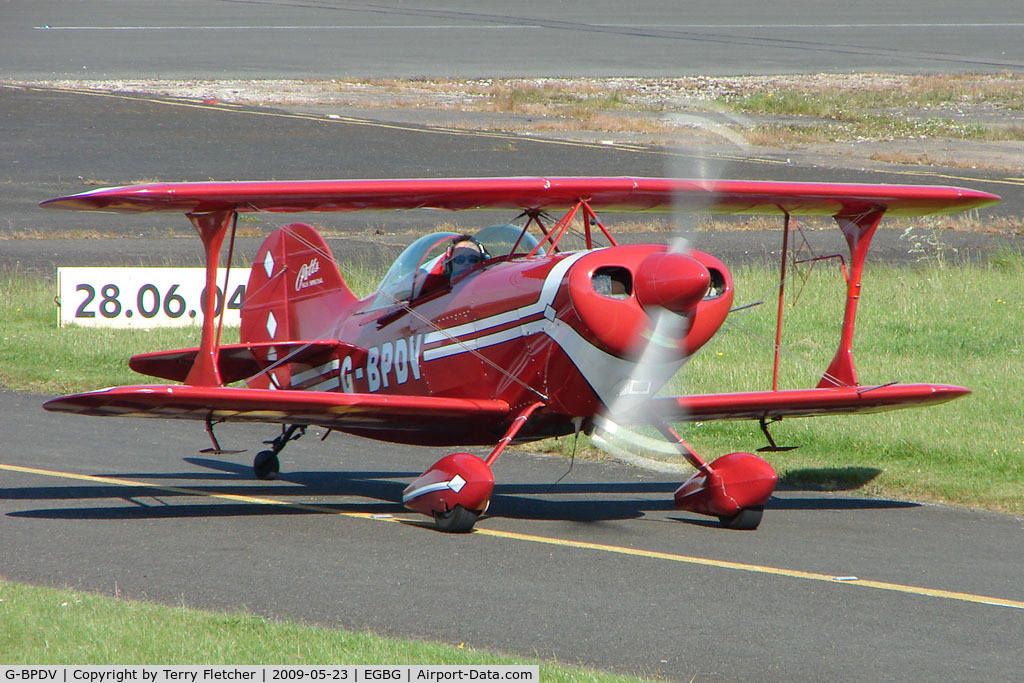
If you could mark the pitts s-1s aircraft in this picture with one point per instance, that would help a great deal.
(499, 337)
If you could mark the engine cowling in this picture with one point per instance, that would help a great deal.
(618, 294)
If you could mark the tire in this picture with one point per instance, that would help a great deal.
(266, 466)
(746, 519)
(458, 520)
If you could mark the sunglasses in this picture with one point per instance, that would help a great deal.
(471, 259)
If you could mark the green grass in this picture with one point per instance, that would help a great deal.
(942, 323)
(48, 626)
(853, 127)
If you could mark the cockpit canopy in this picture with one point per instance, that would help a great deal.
(405, 278)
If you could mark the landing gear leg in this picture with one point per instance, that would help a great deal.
(266, 464)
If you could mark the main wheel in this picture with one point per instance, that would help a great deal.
(266, 465)
(458, 520)
(746, 519)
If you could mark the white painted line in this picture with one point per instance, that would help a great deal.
(787, 25)
(353, 27)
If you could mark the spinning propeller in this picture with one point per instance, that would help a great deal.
(675, 288)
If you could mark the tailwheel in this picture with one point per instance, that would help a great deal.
(746, 519)
(266, 465)
(458, 520)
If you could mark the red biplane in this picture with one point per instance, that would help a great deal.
(499, 337)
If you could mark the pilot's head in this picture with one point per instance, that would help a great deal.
(463, 254)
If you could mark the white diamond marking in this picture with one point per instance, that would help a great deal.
(268, 263)
(271, 324)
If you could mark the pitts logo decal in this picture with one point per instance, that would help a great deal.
(302, 280)
(390, 362)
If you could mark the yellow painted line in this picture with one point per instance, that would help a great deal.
(548, 540)
(761, 569)
(233, 497)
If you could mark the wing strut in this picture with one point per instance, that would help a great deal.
(212, 228)
(782, 290)
(553, 236)
(858, 230)
(591, 218)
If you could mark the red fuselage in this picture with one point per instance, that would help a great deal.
(564, 328)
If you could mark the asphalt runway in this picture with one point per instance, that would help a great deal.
(330, 39)
(598, 569)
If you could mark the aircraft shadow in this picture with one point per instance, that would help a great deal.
(381, 492)
(828, 478)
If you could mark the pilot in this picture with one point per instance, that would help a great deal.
(463, 254)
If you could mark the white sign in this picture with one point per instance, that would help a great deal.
(144, 297)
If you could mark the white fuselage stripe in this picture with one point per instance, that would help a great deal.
(306, 375)
(328, 384)
(485, 341)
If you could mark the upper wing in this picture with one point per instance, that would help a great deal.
(798, 402)
(346, 412)
(614, 193)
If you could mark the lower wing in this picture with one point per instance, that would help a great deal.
(798, 403)
(360, 413)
